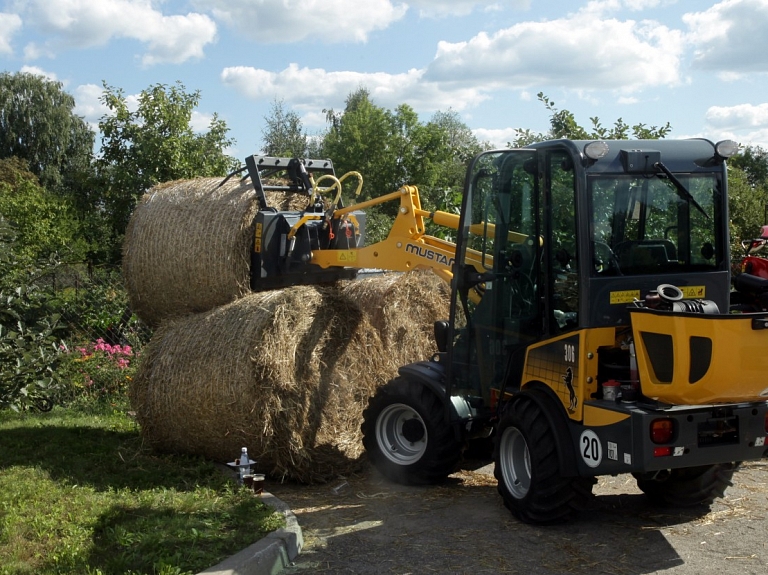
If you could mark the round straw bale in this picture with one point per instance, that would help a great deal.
(403, 307)
(285, 373)
(187, 246)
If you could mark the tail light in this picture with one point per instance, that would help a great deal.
(663, 430)
(662, 451)
(766, 422)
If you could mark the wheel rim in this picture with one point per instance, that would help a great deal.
(515, 462)
(401, 434)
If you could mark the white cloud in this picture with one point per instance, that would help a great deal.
(497, 137)
(752, 138)
(308, 88)
(176, 39)
(580, 51)
(314, 120)
(278, 21)
(599, 8)
(87, 23)
(731, 37)
(745, 123)
(200, 121)
(39, 72)
(33, 51)
(9, 25)
(88, 104)
(743, 116)
(441, 8)
(744, 138)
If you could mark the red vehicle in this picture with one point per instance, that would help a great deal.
(751, 286)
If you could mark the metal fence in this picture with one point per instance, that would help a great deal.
(93, 304)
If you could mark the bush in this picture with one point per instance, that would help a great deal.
(29, 332)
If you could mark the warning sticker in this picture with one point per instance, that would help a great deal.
(347, 257)
(257, 238)
(626, 296)
(694, 292)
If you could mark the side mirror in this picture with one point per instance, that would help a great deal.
(441, 335)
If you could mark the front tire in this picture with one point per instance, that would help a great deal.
(689, 487)
(406, 436)
(527, 467)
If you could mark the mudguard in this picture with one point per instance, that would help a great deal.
(432, 374)
(559, 423)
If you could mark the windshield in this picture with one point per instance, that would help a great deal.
(645, 224)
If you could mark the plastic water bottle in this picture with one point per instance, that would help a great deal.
(245, 463)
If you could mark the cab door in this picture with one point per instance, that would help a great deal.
(497, 309)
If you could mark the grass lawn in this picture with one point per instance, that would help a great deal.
(80, 494)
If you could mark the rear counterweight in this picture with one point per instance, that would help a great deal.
(699, 436)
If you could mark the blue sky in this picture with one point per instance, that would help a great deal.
(702, 66)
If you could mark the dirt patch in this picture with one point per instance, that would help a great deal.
(366, 525)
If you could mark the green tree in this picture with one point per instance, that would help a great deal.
(44, 222)
(284, 135)
(747, 206)
(392, 148)
(747, 196)
(754, 161)
(458, 145)
(38, 124)
(153, 144)
(563, 124)
(359, 140)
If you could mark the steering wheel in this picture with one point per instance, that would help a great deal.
(604, 260)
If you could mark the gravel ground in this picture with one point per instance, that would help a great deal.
(366, 525)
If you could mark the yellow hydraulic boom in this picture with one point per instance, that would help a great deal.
(321, 243)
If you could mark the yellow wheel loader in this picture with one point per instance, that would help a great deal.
(590, 332)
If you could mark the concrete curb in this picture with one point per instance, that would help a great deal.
(269, 555)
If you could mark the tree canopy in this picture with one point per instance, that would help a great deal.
(155, 143)
(393, 147)
(38, 125)
(748, 195)
(563, 124)
(44, 222)
(283, 133)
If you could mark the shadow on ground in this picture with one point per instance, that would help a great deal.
(372, 526)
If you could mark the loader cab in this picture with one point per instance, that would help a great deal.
(563, 236)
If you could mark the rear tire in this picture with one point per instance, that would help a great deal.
(689, 487)
(527, 468)
(406, 436)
